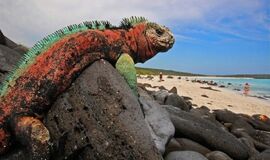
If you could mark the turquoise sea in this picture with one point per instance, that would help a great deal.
(258, 87)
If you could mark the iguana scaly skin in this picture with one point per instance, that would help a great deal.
(52, 65)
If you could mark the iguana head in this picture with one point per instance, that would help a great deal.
(160, 37)
(150, 38)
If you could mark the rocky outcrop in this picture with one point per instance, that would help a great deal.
(206, 133)
(10, 54)
(158, 120)
(8, 58)
(99, 118)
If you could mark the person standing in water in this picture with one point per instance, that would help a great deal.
(246, 89)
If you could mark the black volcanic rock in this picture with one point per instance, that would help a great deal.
(99, 118)
(177, 101)
(265, 155)
(206, 133)
(2, 38)
(6, 41)
(189, 145)
(8, 58)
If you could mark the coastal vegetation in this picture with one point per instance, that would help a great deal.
(155, 71)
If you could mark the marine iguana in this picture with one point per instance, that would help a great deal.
(53, 63)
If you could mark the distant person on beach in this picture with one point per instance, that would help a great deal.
(160, 76)
(246, 89)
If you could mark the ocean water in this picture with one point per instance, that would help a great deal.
(258, 87)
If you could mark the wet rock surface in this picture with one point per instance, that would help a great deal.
(99, 118)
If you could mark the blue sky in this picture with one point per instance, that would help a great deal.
(212, 36)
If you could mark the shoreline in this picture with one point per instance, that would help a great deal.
(214, 77)
(202, 95)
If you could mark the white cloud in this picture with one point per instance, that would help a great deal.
(29, 21)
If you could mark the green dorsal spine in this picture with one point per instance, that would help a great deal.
(46, 43)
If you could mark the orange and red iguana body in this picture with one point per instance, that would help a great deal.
(52, 72)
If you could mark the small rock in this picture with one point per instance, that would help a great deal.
(265, 155)
(150, 77)
(173, 145)
(185, 155)
(217, 155)
(226, 116)
(186, 98)
(204, 96)
(170, 77)
(162, 88)
(177, 101)
(173, 90)
(160, 96)
(206, 133)
(144, 85)
(259, 121)
(250, 145)
(263, 137)
(189, 145)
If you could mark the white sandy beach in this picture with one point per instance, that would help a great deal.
(225, 99)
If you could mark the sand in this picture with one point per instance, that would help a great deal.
(222, 99)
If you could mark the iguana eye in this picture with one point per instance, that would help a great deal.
(159, 31)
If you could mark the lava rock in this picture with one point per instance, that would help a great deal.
(2, 38)
(257, 123)
(20, 49)
(173, 90)
(206, 133)
(265, 155)
(185, 155)
(240, 126)
(8, 58)
(226, 116)
(99, 117)
(263, 137)
(250, 145)
(204, 112)
(189, 145)
(158, 120)
(9, 43)
(160, 96)
(217, 155)
(177, 101)
(205, 96)
(173, 145)
(162, 88)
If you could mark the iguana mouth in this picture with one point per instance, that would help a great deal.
(166, 44)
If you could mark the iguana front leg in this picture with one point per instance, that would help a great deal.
(32, 133)
(126, 67)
